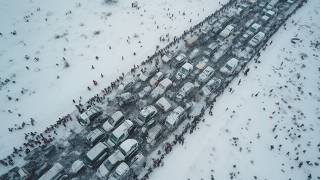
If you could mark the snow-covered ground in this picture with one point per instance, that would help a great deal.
(268, 126)
(51, 51)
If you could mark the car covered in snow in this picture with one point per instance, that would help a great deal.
(153, 134)
(129, 147)
(175, 118)
(96, 155)
(226, 31)
(94, 136)
(254, 28)
(126, 98)
(146, 114)
(109, 164)
(156, 79)
(184, 71)
(230, 66)
(121, 172)
(137, 163)
(144, 92)
(211, 86)
(161, 88)
(256, 40)
(185, 90)
(179, 60)
(90, 114)
(206, 74)
(112, 122)
(163, 104)
(120, 133)
(143, 77)
(194, 53)
(76, 167)
(55, 172)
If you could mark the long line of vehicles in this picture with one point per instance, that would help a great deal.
(121, 132)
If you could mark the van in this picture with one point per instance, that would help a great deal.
(120, 134)
(96, 155)
(229, 67)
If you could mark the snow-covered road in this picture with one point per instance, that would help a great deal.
(268, 126)
(39, 37)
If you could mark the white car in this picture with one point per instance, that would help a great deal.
(144, 92)
(109, 164)
(257, 39)
(156, 78)
(230, 66)
(185, 91)
(227, 31)
(184, 71)
(96, 155)
(211, 86)
(94, 136)
(116, 118)
(90, 114)
(161, 88)
(175, 117)
(129, 147)
(206, 74)
(76, 167)
(179, 60)
(120, 134)
(120, 173)
(164, 104)
(146, 114)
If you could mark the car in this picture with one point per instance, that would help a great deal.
(90, 114)
(109, 164)
(126, 98)
(144, 92)
(55, 172)
(164, 104)
(166, 58)
(201, 64)
(255, 41)
(229, 67)
(191, 40)
(213, 46)
(161, 88)
(194, 53)
(94, 136)
(96, 155)
(179, 60)
(153, 134)
(227, 31)
(206, 74)
(211, 86)
(143, 77)
(76, 167)
(115, 119)
(185, 90)
(156, 78)
(137, 163)
(129, 147)
(121, 172)
(175, 117)
(184, 71)
(254, 28)
(146, 114)
(120, 134)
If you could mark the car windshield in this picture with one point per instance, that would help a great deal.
(111, 121)
(113, 138)
(228, 67)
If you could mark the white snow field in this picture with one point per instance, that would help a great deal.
(48, 48)
(268, 126)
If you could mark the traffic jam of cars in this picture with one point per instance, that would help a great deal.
(131, 123)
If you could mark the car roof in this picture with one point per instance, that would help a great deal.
(128, 144)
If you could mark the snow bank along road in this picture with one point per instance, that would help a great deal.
(48, 48)
(237, 31)
(267, 127)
